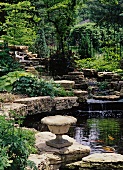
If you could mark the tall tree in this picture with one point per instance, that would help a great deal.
(61, 14)
(104, 11)
(17, 26)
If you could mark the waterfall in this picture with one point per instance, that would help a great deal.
(105, 108)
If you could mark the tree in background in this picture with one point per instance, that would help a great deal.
(17, 28)
(103, 12)
(40, 45)
(61, 14)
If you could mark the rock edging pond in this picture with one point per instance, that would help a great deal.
(35, 105)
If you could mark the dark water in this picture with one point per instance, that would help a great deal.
(102, 133)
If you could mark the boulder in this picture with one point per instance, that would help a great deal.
(121, 92)
(60, 156)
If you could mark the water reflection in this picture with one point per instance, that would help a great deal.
(102, 135)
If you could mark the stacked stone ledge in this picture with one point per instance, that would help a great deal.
(35, 105)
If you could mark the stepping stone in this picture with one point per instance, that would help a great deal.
(100, 161)
(66, 84)
(108, 97)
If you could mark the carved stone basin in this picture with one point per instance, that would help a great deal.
(58, 125)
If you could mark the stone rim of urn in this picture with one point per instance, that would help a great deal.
(59, 125)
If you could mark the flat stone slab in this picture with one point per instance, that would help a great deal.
(75, 73)
(104, 158)
(100, 161)
(37, 104)
(89, 72)
(109, 75)
(66, 84)
(64, 155)
(108, 97)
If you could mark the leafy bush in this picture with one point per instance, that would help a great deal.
(103, 85)
(87, 37)
(7, 63)
(32, 86)
(21, 82)
(6, 81)
(15, 145)
(98, 63)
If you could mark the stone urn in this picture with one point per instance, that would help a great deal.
(59, 125)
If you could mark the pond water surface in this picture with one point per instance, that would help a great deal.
(101, 133)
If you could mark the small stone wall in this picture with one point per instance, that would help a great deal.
(9, 109)
(35, 105)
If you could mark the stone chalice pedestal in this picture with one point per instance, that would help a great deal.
(59, 125)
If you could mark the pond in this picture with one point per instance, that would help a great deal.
(101, 133)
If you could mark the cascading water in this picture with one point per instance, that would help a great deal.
(105, 108)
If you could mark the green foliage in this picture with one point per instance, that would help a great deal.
(6, 81)
(17, 27)
(40, 44)
(87, 36)
(61, 14)
(60, 91)
(103, 85)
(14, 145)
(32, 86)
(98, 63)
(110, 2)
(103, 12)
(7, 63)
(91, 39)
(29, 137)
(21, 82)
(111, 53)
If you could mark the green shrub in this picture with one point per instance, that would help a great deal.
(103, 85)
(21, 82)
(32, 87)
(15, 145)
(6, 81)
(98, 63)
(7, 63)
(88, 38)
